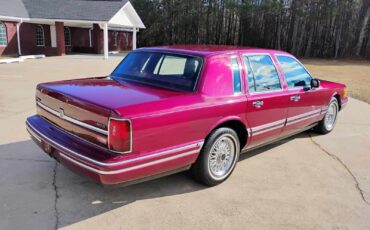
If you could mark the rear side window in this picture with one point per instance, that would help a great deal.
(235, 67)
(295, 74)
(262, 74)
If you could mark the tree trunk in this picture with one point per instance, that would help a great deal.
(362, 32)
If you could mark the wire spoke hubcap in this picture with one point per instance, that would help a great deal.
(331, 116)
(222, 156)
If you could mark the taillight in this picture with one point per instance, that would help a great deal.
(119, 139)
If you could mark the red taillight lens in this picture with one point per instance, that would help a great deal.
(119, 135)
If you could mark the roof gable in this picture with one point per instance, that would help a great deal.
(13, 8)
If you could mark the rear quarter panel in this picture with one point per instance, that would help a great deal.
(190, 117)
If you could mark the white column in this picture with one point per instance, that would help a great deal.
(90, 37)
(106, 41)
(134, 39)
(19, 39)
(53, 36)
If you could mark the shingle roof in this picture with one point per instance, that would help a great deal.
(91, 10)
(13, 8)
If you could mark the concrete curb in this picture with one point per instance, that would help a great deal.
(21, 59)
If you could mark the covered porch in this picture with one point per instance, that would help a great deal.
(64, 36)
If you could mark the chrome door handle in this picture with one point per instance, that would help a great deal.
(258, 104)
(295, 98)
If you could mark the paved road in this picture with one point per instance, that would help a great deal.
(305, 182)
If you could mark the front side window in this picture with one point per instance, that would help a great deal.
(3, 37)
(67, 36)
(235, 67)
(40, 37)
(174, 71)
(295, 74)
(262, 74)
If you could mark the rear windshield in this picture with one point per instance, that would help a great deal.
(175, 71)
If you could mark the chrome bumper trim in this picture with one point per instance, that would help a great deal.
(130, 168)
(36, 133)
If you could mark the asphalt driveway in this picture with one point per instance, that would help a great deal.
(304, 182)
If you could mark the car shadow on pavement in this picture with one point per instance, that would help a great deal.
(30, 177)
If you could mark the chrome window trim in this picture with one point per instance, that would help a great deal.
(276, 69)
(270, 91)
(240, 74)
(34, 132)
(72, 120)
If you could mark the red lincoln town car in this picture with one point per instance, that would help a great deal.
(169, 109)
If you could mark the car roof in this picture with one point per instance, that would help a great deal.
(209, 50)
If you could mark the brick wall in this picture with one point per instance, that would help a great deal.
(124, 41)
(28, 40)
(80, 40)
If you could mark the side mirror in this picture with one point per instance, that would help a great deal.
(300, 83)
(315, 83)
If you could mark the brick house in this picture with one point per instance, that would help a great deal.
(58, 27)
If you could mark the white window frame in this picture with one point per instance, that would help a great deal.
(65, 37)
(40, 29)
(90, 37)
(2, 25)
(239, 66)
(115, 38)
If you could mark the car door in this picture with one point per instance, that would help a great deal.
(304, 103)
(267, 103)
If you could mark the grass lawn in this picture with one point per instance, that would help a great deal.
(354, 73)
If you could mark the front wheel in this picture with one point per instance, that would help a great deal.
(218, 157)
(327, 124)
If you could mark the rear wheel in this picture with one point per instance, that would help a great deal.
(327, 124)
(217, 158)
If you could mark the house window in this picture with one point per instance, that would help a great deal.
(40, 38)
(3, 37)
(67, 36)
(115, 38)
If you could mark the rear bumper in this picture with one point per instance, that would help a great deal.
(102, 165)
